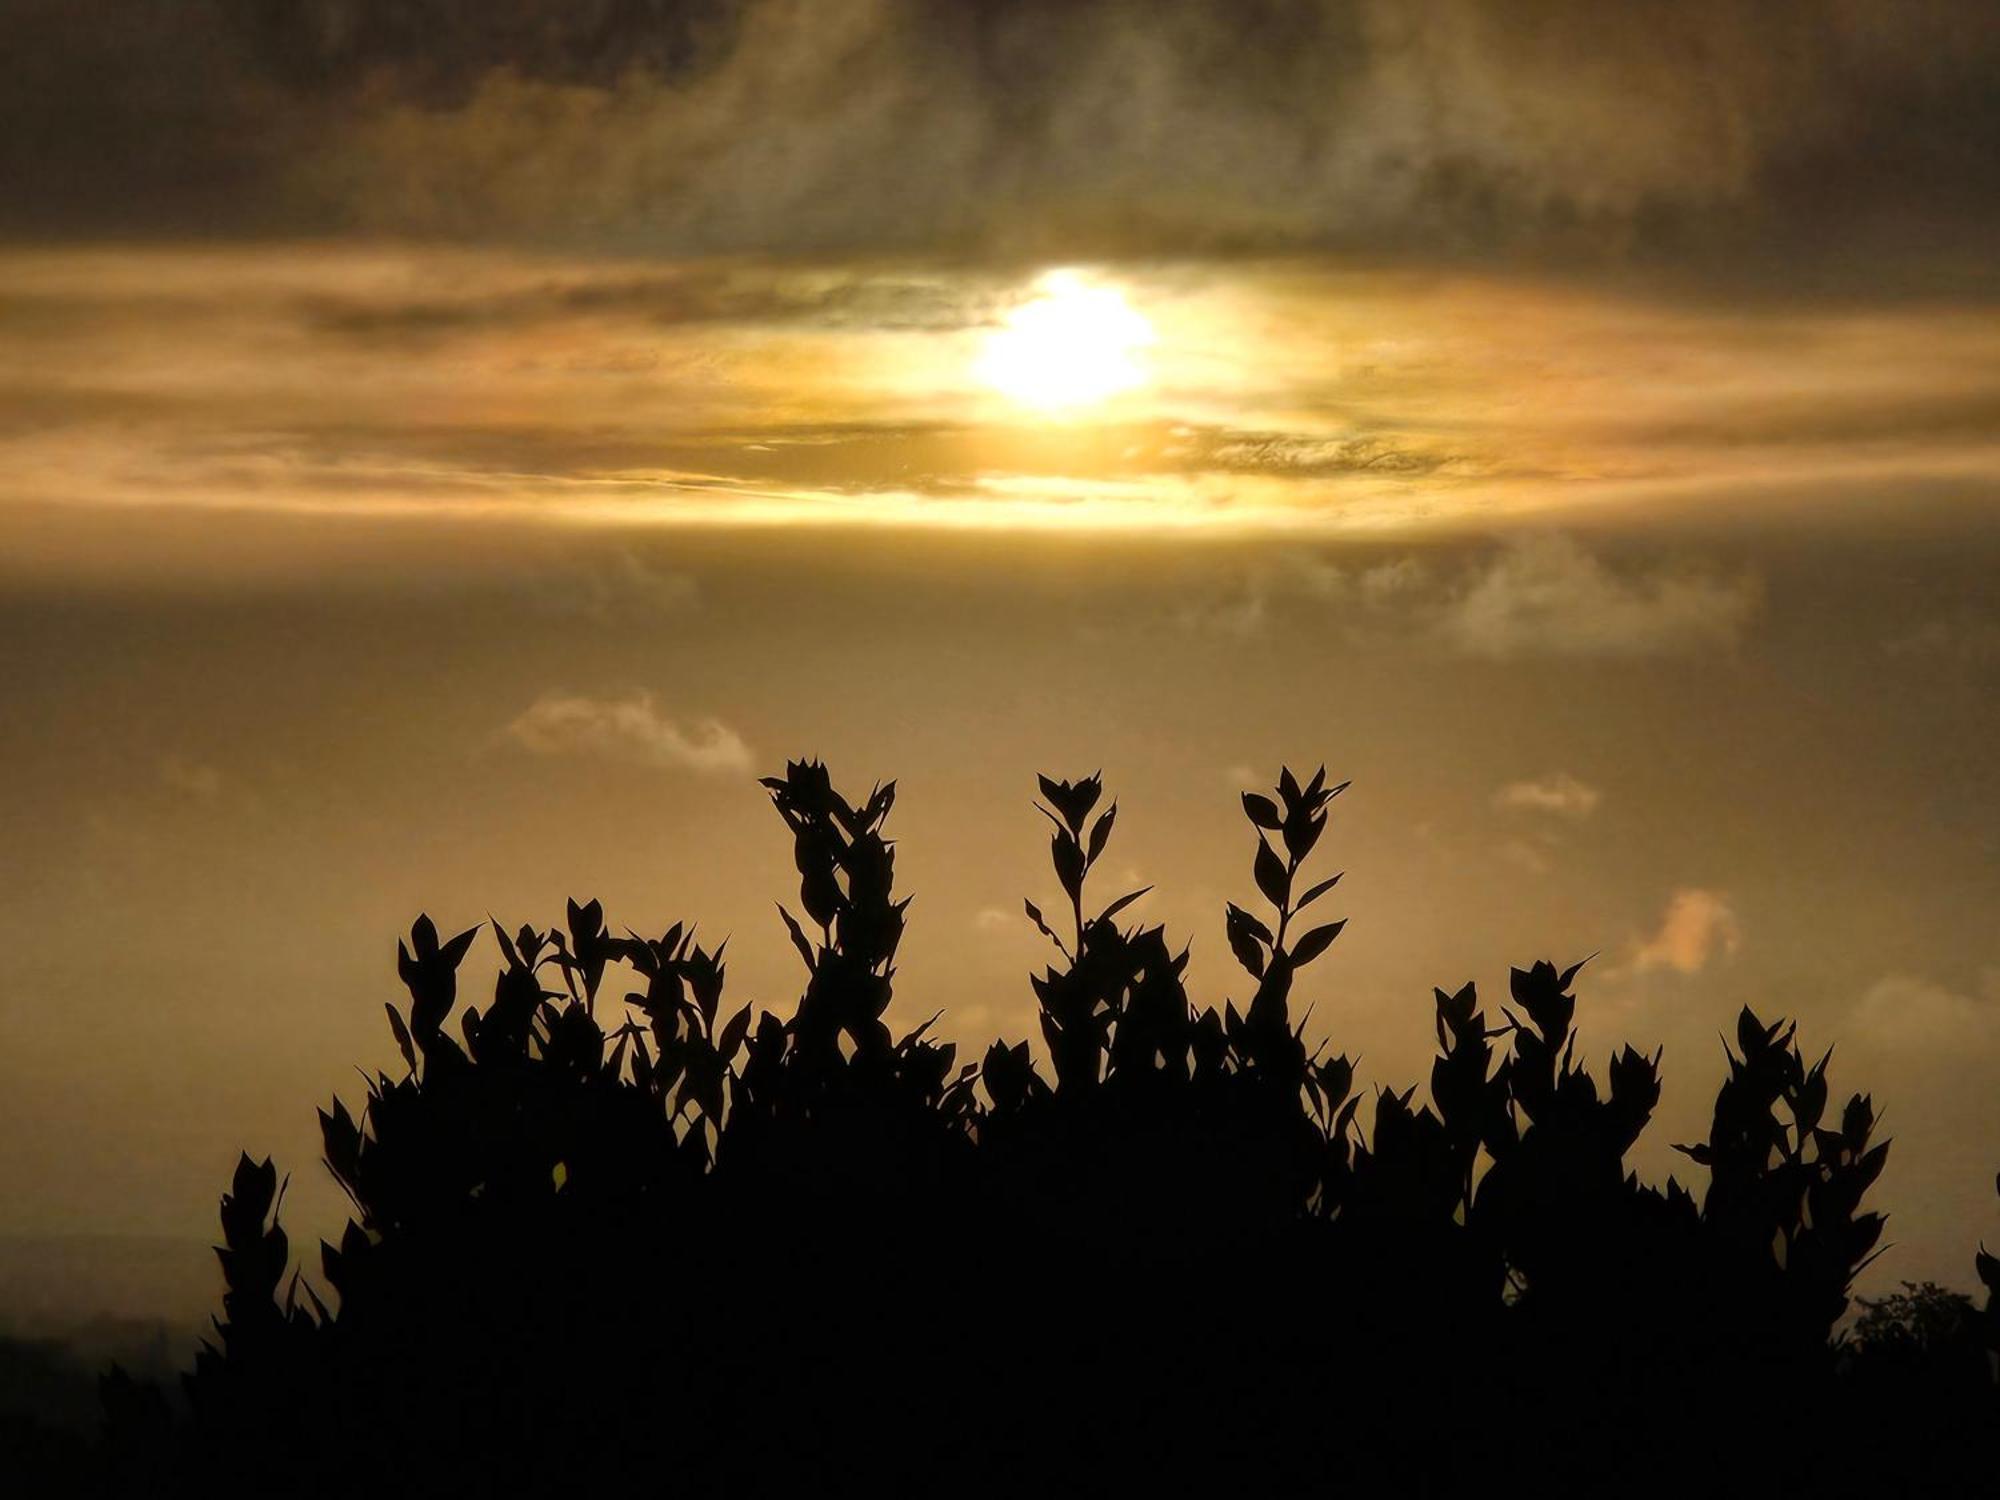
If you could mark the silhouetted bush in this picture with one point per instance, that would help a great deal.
(612, 1229)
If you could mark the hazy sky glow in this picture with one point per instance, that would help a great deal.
(1296, 397)
(441, 465)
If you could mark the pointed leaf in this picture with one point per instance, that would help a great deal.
(1271, 877)
(1121, 903)
(403, 1043)
(733, 1033)
(1317, 891)
(1262, 811)
(799, 939)
(1316, 942)
(1100, 833)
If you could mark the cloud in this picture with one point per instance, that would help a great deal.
(1391, 595)
(1547, 595)
(1239, 614)
(617, 587)
(629, 729)
(1656, 127)
(192, 779)
(1560, 794)
(1292, 456)
(1902, 1015)
(325, 46)
(1379, 586)
(657, 298)
(1543, 595)
(1697, 926)
(1967, 639)
(1531, 857)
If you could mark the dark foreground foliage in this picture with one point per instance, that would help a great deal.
(612, 1229)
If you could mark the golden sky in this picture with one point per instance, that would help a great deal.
(1243, 398)
(439, 471)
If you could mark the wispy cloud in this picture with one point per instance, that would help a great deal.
(1538, 595)
(620, 586)
(1532, 856)
(630, 729)
(1547, 595)
(1903, 1014)
(1967, 638)
(190, 778)
(1560, 794)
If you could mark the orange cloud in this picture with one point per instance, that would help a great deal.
(1697, 926)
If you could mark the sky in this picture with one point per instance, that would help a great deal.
(449, 449)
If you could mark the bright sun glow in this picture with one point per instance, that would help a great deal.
(1074, 344)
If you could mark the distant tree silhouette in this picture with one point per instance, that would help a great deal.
(610, 1230)
(1914, 1327)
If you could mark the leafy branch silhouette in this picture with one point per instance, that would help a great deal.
(724, 1250)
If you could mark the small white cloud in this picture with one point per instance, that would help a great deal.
(1387, 583)
(1308, 575)
(619, 586)
(1547, 595)
(1966, 638)
(1314, 577)
(992, 919)
(629, 729)
(192, 779)
(1533, 858)
(1238, 613)
(1696, 927)
(1561, 794)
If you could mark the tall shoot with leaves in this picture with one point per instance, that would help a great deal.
(1297, 817)
(846, 884)
(1081, 1003)
(1069, 808)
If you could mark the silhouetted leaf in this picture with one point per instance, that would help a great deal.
(1122, 902)
(1067, 856)
(733, 1033)
(1100, 833)
(402, 1035)
(1316, 892)
(1316, 942)
(1301, 834)
(1248, 953)
(799, 939)
(1988, 1268)
(1237, 916)
(1271, 877)
(1262, 811)
(1041, 926)
(453, 952)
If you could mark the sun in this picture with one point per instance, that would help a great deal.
(1075, 343)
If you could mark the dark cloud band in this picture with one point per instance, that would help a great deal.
(436, 52)
(1696, 130)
